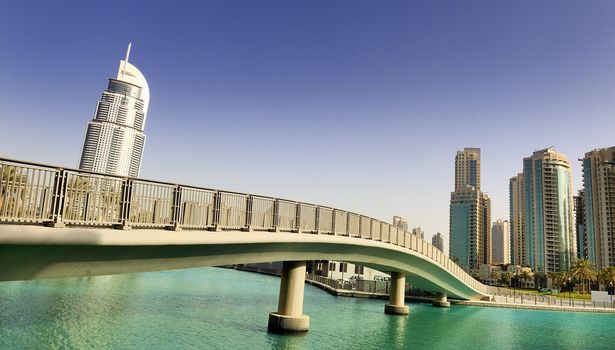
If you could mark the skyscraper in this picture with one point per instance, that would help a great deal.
(599, 205)
(517, 221)
(437, 241)
(500, 242)
(548, 230)
(467, 168)
(417, 231)
(114, 139)
(400, 222)
(470, 213)
(581, 232)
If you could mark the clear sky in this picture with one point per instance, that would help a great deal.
(359, 105)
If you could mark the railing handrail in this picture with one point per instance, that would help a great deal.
(126, 201)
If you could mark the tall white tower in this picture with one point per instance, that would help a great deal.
(114, 139)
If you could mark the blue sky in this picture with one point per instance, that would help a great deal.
(359, 105)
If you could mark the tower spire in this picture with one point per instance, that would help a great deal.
(128, 52)
(123, 66)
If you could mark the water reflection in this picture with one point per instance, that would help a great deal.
(286, 342)
(397, 329)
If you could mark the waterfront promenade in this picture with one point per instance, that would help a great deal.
(505, 298)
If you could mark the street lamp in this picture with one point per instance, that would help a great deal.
(611, 292)
(569, 288)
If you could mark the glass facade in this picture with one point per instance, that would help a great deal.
(564, 206)
(124, 88)
(589, 210)
(539, 226)
(460, 229)
(548, 207)
(529, 210)
(473, 173)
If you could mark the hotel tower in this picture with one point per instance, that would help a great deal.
(470, 213)
(596, 231)
(114, 138)
(541, 213)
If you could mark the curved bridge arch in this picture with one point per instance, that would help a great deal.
(34, 252)
(170, 226)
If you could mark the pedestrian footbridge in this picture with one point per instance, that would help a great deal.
(57, 222)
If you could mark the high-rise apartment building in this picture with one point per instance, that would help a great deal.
(418, 231)
(599, 205)
(517, 220)
(470, 213)
(400, 222)
(548, 223)
(500, 243)
(437, 241)
(467, 168)
(114, 139)
(581, 232)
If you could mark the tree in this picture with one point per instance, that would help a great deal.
(496, 275)
(553, 277)
(561, 279)
(539, 279)
(13, 190)
(584, 271)
(505, 278)
(476, 276)
(607, 276)
(525, 276)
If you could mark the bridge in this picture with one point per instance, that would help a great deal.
(57, 222)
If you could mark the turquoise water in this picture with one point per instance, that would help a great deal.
(215, 308)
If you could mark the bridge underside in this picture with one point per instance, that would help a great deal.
(34, 252)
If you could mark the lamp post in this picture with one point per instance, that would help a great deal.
(569, 288)
(611, 292)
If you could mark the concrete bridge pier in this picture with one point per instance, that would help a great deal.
(290, 318)
(397, 295)
(441, 301)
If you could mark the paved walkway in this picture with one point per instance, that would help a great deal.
(560, 305)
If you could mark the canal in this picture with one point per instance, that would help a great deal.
(212, 308)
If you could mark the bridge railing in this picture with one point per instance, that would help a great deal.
(42, 194)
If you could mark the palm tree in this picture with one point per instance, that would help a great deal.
(561, 279)
(496, 275)
(13, 184)
(553, 277)
(538, 280)
(505, 278)
(607, 276)
(525, 275)
(583, 270)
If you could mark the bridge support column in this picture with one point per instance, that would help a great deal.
(290, 318)
(441, 300)
(398, 295)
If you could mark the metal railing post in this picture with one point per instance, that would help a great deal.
(125, 204)
(217, 204)
(298, 217)
(57, 199)
(348, 223)
(361, 226)
(317, 220)
(176, 209)
(249, 204)
(276, 215)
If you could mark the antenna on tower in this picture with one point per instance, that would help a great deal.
(126, 59)
(128, 51)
